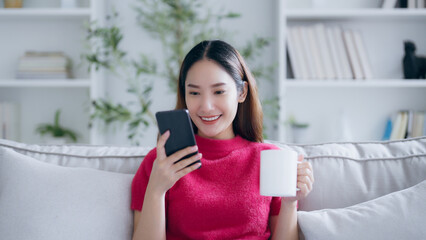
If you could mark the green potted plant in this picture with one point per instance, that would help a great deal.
(299, 130)
(55, 133)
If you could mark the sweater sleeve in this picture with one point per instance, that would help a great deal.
(275, 206)
(141, 179)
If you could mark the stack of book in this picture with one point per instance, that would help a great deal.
(406, 124)
(43, 65)
(9, 121)
(404, 4)
(320, 52)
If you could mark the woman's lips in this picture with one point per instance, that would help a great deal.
(210, 119)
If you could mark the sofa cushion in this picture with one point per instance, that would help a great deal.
(399, 215)
(45, 201)
(108, 158)
(350, 173)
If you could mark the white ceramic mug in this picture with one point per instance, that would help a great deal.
(278, 173)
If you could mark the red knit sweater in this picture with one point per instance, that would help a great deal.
(220, 200)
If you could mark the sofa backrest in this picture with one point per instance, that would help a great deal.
(350, 173)
(107, 158)
(345, 173)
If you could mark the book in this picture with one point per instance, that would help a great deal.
(44, 54)
(41, 75)
(301, 56)
(353, 55)
(293, 52)
(313, 42)
(332, 45)
(421, 3)
(414, 124)
(396, 125)
(49, 65)
(342, 53)
(324, 51)
(388, 130)
(407, 124)
(412, 4)
(402, 130)
(307, 52)
(389, 3)
(362, 55)
(410, 119)
(418, 124)
(43, 58)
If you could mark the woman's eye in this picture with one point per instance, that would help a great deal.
(219, 92)
(194, 93)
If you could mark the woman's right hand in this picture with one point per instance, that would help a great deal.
(165, 172)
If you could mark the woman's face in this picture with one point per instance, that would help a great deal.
(212, 99)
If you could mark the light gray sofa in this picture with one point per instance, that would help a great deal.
(370, 190)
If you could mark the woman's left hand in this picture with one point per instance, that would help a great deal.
(305, 180)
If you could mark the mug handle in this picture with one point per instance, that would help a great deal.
(298, 189)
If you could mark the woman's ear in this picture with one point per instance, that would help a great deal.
(243, 94)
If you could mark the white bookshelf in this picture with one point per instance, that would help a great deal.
(362, 14)
(382, 83)
(38, 27)
(51, 83)
(56, 13)
(366, 103)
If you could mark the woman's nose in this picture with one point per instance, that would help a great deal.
(206, 104)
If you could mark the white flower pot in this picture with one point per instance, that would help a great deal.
(54, 140)
(319, 4)
(68, 3)
(300, 134)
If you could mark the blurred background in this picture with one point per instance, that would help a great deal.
(96, 71)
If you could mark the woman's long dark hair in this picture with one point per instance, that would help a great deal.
(248, 122)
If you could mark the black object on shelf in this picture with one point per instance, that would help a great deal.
(402, 4)
(414, 66)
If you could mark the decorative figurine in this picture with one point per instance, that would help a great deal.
(414, 66)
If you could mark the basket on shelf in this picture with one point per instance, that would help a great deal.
(13, 3)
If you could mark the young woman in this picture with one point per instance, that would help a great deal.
(221, 199)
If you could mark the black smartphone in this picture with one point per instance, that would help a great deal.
(181, 132)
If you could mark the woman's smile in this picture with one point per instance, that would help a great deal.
(210, 119)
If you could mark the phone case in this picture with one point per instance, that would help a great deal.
(181, 132)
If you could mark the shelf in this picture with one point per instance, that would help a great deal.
(45, 13)
(383, 83)
(362, 14)
(51, 83)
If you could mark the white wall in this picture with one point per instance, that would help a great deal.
(257, 19)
